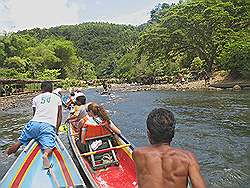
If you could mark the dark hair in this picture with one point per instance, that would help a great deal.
(47, 86)
(160, 125)
(99, 111)
(72, 93)
(81, 99)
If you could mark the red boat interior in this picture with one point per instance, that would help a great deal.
(115, 176)
(110, 164)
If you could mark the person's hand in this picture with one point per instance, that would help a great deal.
(67, 121)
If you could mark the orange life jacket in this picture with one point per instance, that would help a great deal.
(94, 129)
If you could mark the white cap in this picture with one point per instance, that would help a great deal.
(57, 91)
(80, 94)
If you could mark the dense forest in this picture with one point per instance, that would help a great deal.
(193, 35)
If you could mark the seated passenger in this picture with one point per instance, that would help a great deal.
(97, 116)
(71, 101)
(79, 110)
(58, 92)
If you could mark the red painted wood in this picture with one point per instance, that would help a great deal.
(64, 168)
(26, 164)
(123, 175)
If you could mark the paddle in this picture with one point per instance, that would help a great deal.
(105, 150)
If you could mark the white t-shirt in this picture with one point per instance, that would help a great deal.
(46, 105)
(81, 111)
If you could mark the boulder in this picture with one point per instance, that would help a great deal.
(236, 87)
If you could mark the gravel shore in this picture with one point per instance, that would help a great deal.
(196, 85)
(14, 101)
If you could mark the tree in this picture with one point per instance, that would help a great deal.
(236, 56)
(156, 12)
(17, 63)
(94, 42)
(196, 28)
(39, 59)
(15, 45)
(197, 64)
(86, 71)
(125, 66)
(2, 53)
(48, 74)
(65, 51)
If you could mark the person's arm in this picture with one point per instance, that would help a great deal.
(68, 103)
(70, 118)
(34, 110)
(140, 164)
(59, 118)
(83, 132)
(34, 106)
(194, 173)
(115, 129)
(74, 115)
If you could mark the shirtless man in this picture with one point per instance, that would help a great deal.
(161, 165)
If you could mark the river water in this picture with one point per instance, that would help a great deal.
(213, 125)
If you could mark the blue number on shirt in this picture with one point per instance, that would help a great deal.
(45, 100)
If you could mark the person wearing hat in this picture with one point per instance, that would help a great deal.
(71, 101)
(58, 92)
(79, 110)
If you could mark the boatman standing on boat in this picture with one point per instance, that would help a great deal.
(43, 127)
(161, 165)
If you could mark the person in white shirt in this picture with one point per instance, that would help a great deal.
(43, 127)
(58, 91)
(79, 110)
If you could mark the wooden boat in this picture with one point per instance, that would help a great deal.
(27, 171)
(108, 166)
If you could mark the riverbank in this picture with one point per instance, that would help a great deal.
(192, 85)
(196, 85)
(15, 101)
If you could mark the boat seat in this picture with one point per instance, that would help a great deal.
(93, 131)
(100, 160)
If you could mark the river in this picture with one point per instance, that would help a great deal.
(215, 125)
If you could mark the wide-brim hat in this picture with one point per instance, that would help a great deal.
(79, 95)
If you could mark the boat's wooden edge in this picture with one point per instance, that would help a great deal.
(78, 157)
(71, 160)
(60, 146)
(31, 143)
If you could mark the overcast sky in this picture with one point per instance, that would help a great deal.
(26, 14)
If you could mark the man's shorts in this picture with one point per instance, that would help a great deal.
(44, 133)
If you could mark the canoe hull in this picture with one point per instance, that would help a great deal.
(27, 170)
(123, 175)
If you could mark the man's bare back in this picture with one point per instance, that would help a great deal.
(163, 166)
